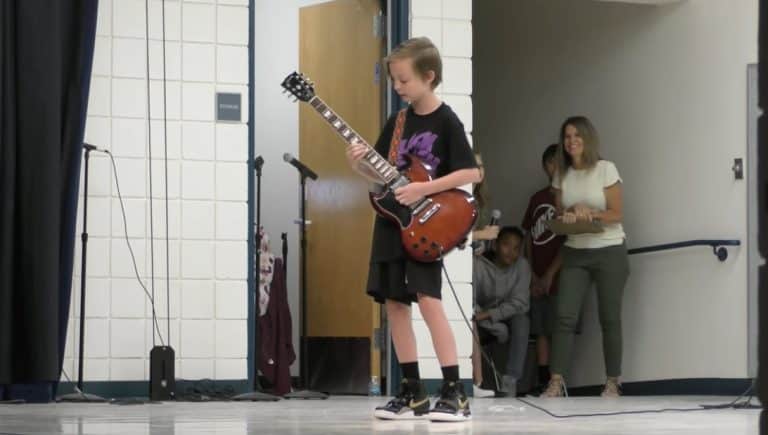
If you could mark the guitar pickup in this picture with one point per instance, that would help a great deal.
(434, 209)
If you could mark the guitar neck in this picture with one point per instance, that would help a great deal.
(380, 166)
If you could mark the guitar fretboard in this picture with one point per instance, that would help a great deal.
(374, 160)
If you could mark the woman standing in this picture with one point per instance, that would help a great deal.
(588, 189)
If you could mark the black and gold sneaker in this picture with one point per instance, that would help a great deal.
(453, 404)
(411, 403)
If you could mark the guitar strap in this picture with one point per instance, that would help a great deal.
(397, 134)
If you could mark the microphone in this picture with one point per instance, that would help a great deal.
(304, 170)
(495, 217)
(258, 162)
(89, 147)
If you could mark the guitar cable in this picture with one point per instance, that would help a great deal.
(497, 376)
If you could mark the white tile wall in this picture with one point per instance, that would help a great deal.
(197, 339)
(128, 338)
(197, 180)
(172, 20)
(231, 369)
(199, 22)
(198, 101)
(128, 299)
(135, 215)
(207, 223)
(129, 98)
(231, 181)
(231, 260)
(199, 140)
(230, 334)
(197, 259)
(97, 369)
(172, 60)
(232, 25)
(232, 142)
(172, 96)
(102, 56)
(199, 63)
(197, 299)
(97, 302)
(128, 18)
(449, 24)
(97, 338)
(229, 300)
(99, 96)
(129, 58)
(197, 221)
(232, 64)
(129, 137)
(98, 131)
(457, 9)
(158, 140)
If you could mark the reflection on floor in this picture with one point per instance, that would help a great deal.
(352, 415)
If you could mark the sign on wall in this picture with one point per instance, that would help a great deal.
(228, 106)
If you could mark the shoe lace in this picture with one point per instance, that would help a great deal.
(448, 393)
(404, 395)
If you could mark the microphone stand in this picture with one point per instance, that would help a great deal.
(79, 395)
(305, 393)
(256, 395)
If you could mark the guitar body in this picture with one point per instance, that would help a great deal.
(438, 225)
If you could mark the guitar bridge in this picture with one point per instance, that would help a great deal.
(435, 208)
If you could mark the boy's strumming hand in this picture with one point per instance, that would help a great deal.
(411, 193)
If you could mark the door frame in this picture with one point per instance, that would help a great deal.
(754, 259)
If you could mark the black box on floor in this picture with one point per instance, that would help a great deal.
(162, 373)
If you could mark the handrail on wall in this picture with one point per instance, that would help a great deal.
(718, 247)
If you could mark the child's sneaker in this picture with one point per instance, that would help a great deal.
(411, 403)
(453, 404)
(479, 393)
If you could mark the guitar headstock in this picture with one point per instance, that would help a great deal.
(299, 86)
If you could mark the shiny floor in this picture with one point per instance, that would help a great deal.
(352, 415)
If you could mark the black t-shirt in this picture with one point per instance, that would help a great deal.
(440, 141)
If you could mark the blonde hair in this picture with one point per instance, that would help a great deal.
(591, 140)
(423, 54)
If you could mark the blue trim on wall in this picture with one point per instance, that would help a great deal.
(251, 194)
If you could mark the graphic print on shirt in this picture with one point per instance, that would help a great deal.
(540, 233)
(419, 145)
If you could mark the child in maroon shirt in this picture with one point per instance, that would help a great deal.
(543, 252)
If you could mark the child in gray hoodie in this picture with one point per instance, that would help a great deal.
(501, 280)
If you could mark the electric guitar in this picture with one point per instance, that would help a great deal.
(430, 228)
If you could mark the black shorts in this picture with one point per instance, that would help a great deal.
(403, 280)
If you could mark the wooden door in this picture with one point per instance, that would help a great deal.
(340, 53)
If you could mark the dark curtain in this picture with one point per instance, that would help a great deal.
(47, 52)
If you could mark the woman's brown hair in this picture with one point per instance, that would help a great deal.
(591, 140)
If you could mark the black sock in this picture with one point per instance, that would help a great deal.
(544, 375)
(450, 373)
(410, 370)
